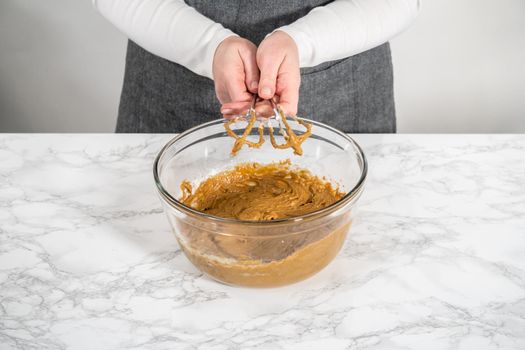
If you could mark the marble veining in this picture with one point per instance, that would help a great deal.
(435, 259)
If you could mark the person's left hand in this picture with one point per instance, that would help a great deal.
(280, 78)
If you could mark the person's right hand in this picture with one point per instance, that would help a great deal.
(235, 74)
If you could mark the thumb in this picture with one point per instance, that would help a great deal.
(269, 66)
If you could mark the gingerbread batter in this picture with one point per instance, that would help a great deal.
(237, 260)
(258, 192)
(291, 139)
(238, 255)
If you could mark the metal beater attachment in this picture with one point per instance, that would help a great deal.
(292, 140)
(251, 118)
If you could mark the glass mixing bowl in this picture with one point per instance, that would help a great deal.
(259, 254)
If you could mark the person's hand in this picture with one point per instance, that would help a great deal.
(235, 72)
(280, 78)
(278, 62)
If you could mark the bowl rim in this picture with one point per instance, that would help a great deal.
(356, 190)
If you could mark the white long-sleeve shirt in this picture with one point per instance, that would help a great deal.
(175, 31)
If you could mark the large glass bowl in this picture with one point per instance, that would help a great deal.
(259, 254)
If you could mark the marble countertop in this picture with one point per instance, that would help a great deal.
(435, 259)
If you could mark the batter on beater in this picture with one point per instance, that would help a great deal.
(291, 139)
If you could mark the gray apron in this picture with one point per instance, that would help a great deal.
(354, 94)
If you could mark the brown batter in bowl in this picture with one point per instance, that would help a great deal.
(259, 224)
(245, 261)
(257, 192)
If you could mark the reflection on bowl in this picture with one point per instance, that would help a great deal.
(264, 253)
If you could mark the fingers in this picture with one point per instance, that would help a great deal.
(251, 70)
(288, 84)
(237, 89)
(235, 69)
(289, 108)
(244, 77)
(235, 108)
(264, 109)
(269, 64)
(272, 71)
(237, 85)
(222, 93)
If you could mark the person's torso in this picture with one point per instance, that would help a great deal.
(354, 94)
(253, 20)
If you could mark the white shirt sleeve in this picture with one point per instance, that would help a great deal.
(168, 28)
(345, 28)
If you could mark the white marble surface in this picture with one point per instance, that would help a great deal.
(436, 258)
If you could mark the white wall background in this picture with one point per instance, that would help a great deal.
(460, 68)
